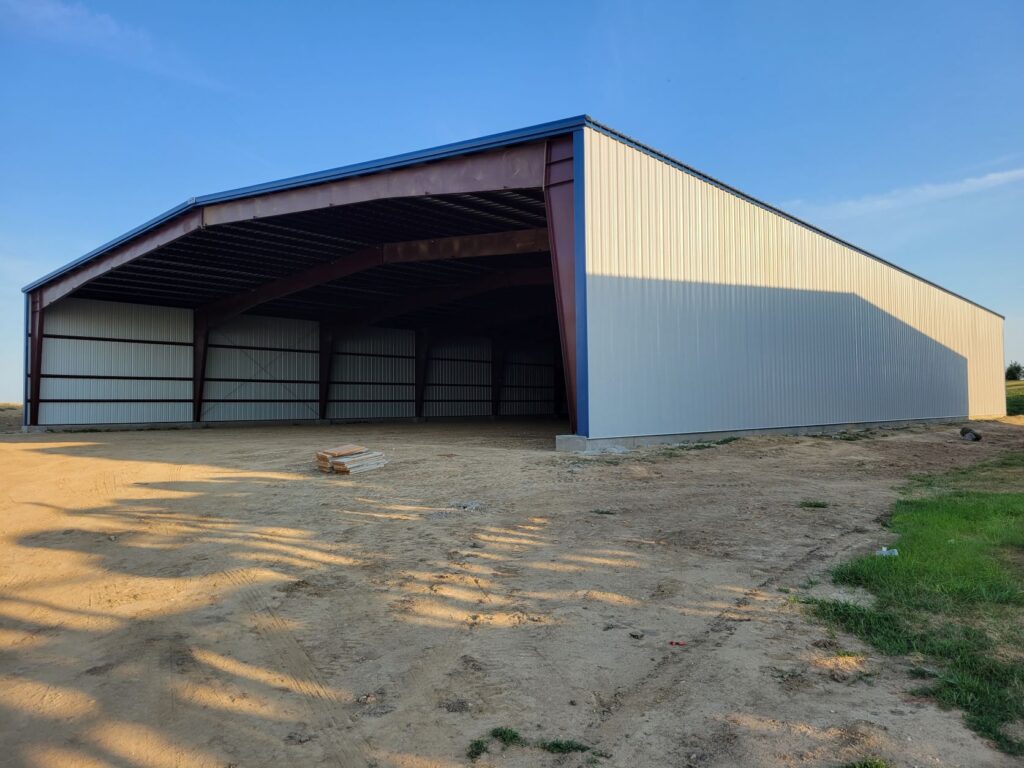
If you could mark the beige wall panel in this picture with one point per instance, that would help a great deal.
(708, 312)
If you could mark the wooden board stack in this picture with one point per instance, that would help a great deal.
(349, 460)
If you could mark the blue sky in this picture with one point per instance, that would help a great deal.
(898, 126)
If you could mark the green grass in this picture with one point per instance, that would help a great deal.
(954, 595)
(871, 762)
(1015, 398)
(477, 747)
(507, 736)
(562, 746)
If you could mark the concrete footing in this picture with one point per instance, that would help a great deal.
(581, 444)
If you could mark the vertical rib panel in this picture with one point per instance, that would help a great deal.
(115, 363)
(707, 312)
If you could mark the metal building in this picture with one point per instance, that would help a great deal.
(559, 269)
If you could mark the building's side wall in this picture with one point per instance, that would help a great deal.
(116, 363)
(706, 312)
(111, 363)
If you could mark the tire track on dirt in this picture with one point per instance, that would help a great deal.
(294, 663)
(652, 689)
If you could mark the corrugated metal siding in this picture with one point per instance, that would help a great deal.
(373, 375)
(528, 387)
(459, 378)
(136, 366)
(706, 312)
(262, 369)
(124, 363)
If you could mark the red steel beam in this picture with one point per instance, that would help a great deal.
(559, 202)
(516, 167)
(436, 249)
(143, 244)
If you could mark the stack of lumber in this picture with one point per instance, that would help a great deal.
(349, 460)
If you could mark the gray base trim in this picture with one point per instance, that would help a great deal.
(580, 444)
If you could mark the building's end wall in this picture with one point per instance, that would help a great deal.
(709, 313)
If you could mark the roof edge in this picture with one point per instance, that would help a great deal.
(648, 150)
(481, 144)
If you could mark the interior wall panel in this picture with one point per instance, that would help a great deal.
(373, 375)
(459, 378)
(707, 312)
(115, 363)
(262, 369)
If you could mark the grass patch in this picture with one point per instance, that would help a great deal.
(871, 762)
(507, 736)
(1015, 398)
(954, 595)
(811, 504)
(562, 746)
(601, 512)
(477, 747)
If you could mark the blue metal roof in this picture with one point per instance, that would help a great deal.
(493, 141)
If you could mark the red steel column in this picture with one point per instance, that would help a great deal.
(498, 350)
(559, 202)
(200, 339)
(422, 368)
(326, 358)
(35, 356)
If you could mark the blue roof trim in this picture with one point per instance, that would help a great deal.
(493, 141)
(621, 137)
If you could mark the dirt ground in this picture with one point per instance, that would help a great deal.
(205, 598)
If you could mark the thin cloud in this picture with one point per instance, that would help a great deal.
(74, 25)
(909, 197)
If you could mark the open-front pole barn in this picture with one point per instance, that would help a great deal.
(561, 270)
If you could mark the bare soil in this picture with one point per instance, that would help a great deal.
(206, 598)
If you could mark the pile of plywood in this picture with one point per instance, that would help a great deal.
(349, 460)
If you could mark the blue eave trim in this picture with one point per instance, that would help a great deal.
(494, 141)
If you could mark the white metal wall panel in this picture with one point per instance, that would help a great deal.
(262, 369)
(115, 363)
(373, 375)
(459, 378)
(109, 319)
(528, 382)
(707, 312)
(114, 413)
(95, 357)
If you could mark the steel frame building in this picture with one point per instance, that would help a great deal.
(557, 269)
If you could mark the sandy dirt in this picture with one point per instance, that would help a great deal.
(205, 598)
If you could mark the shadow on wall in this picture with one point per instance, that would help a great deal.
(671, 357)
